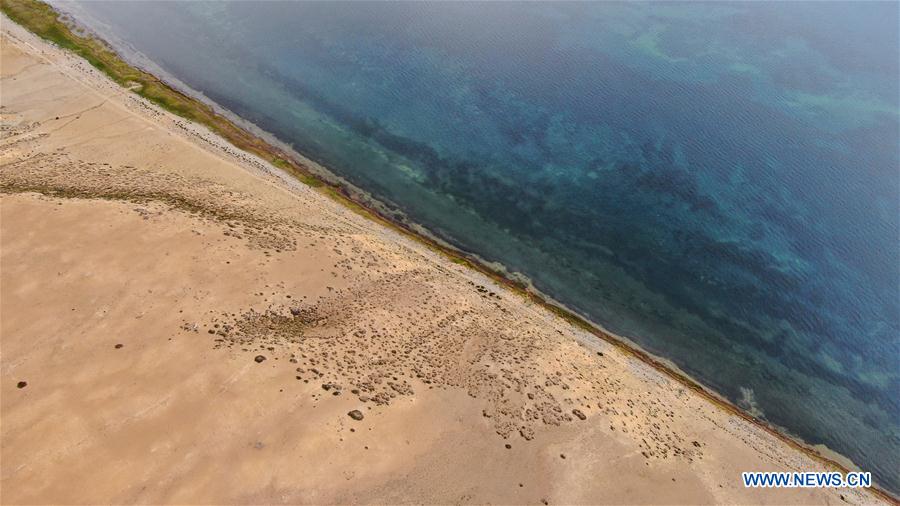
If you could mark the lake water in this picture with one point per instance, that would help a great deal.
(719, 182)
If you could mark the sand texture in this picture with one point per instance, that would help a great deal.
(194, 327)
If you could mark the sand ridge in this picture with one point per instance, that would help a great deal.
(255, 315)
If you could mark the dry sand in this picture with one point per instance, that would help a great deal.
(145, 266)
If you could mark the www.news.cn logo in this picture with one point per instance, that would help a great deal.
(807, 480)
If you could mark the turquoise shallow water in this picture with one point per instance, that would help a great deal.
(717, 181)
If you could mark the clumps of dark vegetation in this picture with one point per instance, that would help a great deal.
(55, 175)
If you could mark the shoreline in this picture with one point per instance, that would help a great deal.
(272, 151)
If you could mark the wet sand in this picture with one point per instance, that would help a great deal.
(195, 327)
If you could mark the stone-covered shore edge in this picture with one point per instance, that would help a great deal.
(44, 21)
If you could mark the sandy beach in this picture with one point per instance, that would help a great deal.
(183, 323)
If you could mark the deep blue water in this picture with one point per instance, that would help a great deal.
(720, 182)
